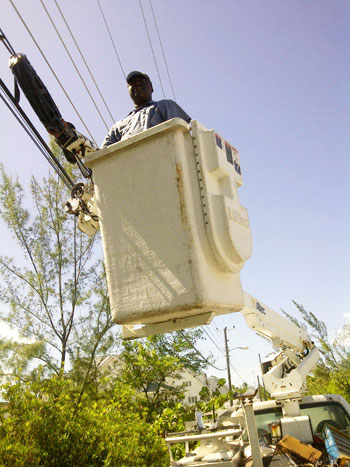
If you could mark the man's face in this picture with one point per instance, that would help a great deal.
(140, 90)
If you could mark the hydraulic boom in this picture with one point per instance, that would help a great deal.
(285, 372)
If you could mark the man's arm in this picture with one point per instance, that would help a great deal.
(111, 137)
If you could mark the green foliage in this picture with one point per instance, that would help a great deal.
(204, 393)
(152, 366)
(332, 373)
(264, 395)
(212, 400)
(173, 419)
(55, 290)
(45, 426)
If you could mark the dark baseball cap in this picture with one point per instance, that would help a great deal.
(132, 74)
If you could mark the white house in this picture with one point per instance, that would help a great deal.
(193, 382)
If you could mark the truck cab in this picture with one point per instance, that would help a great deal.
(331, 409)
(228, 443)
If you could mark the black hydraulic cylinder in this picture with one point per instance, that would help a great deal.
(37, 94)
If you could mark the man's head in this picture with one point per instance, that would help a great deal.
(140, 88)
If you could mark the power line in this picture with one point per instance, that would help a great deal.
(53, 72)
(6, 43)
(110, 35)
(35, 136)
(161, 46)
(226, 323)
(82, 56)
(228, 363)
(213, 334)
(213, 330)
(234, 369)
(198, 352)
(150, 43)
(202, 327)
(241, 377)
(73, 63)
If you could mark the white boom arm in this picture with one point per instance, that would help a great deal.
(285, 373)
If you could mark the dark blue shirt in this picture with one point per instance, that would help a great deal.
(147, 116)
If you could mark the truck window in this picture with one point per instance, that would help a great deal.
(320, 413)
(266, 416)
(326, 412)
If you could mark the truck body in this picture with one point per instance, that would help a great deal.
(232, 446)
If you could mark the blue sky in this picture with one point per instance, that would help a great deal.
(270, 76)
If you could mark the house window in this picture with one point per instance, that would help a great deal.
(192, 399)
(188, 383)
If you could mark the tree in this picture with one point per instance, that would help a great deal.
(206, 394)
(41, 426)
(152, 366)
(332, 373)
(56, 294)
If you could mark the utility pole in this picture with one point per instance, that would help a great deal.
(262, 379)
(228, 367)
(227, 351)
(259, 387)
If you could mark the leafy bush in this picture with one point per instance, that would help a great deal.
(43, 425)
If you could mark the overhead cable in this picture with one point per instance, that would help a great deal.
(35, 136)
(73, 63)
(161, 46)
(198, 352)
(213, 331)
(82, 56)
(234, 369)
(150, 43)
(202, 327)
(6, 43)
(110, 35)
(53, 72)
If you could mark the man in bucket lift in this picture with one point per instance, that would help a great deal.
(147, 113)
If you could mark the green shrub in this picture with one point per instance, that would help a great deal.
(44, 426)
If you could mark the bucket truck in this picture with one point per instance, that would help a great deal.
(248, 432)
(175, 239)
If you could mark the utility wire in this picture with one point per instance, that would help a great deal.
(35, 136)
(73, 63)
(82, 56)
(12, 104)
(234, 369)
(202, 327)
(150, 43)
(6, 43)
(110, 35)
(161, 46)
(226, 323)
(198, 352)
(26, 128)
(212, 330)
(48, 64)
(213, 335)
